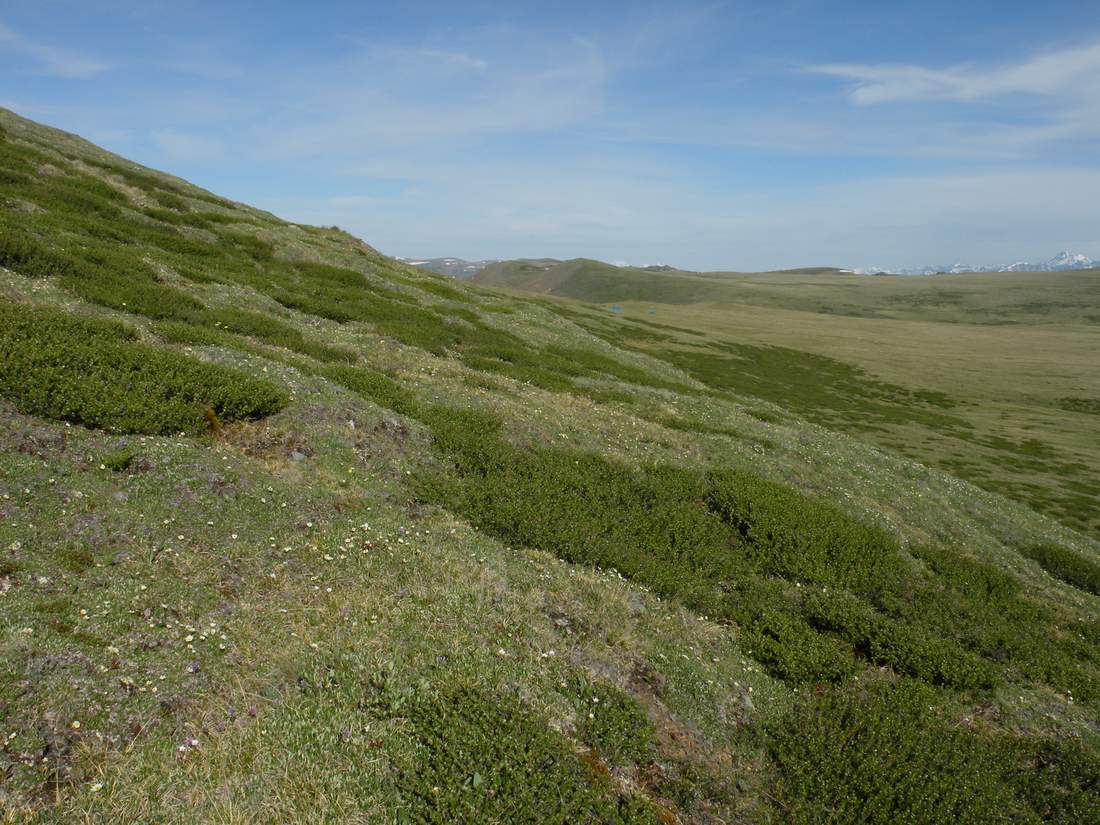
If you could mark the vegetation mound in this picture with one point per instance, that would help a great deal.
(96, 373)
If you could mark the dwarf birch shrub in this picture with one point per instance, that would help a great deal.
(95, 373)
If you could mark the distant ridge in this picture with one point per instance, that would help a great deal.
(452, 267)
(466, 270)
(1061, 262)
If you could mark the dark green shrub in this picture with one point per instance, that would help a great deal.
(255, 248)
(527, 374)
(976, 580)
(331, 275)
(177, 332)
(120, 460)
(29, 256)
(95, 373)
(485, 758)
(1059, 780)
(136, 291)
(728, 544)
(882, 754)
(171, 201)
(906, 647)
(613, 724)
(788, 534)
(1066, 565)
(379, 388)
(272, 331)
(432, 286)
(794, 652)
(11, 177)
(582, 361)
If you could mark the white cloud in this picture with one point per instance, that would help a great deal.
(1061, 72)
(51, 60)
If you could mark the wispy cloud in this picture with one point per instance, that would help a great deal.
(50, 60)
(1061, 72)
(378, 98)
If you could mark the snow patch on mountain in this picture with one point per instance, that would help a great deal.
(1061, 262)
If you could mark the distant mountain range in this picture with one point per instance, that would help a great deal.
(453, 267)
(1063, 261)
(459, 268)
(1059, 263)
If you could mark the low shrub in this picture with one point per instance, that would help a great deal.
(485, 758)
(1066, 565)
(791, 535)
(613, 724)
(168, 200)
(119, 460)
(29, 256)
(667, 528)
(95, 373)
(794, 652)
(882, 754)
(907, 648)
(373, 385)
(1058, 779)
(272, 331)
(132, 289)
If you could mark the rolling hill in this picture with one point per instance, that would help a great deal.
(295, 532)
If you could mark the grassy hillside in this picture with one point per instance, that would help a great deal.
(595, 281)
(988, 376)
(292, 532)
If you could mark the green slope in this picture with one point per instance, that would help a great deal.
(292, 532)
(589, 280)
(988, 376)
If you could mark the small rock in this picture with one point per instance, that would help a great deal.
(121, 495)
(297, 456)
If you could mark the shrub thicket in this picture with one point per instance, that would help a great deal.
(881, 755)
(486, 758)
(885, 753)
(1064, 564)
(95, 373)
(814, 590)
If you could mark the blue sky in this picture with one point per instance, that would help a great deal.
(734, 135)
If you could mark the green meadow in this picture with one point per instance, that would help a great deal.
(293, 532)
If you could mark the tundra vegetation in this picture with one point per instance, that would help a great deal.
(290, 531)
